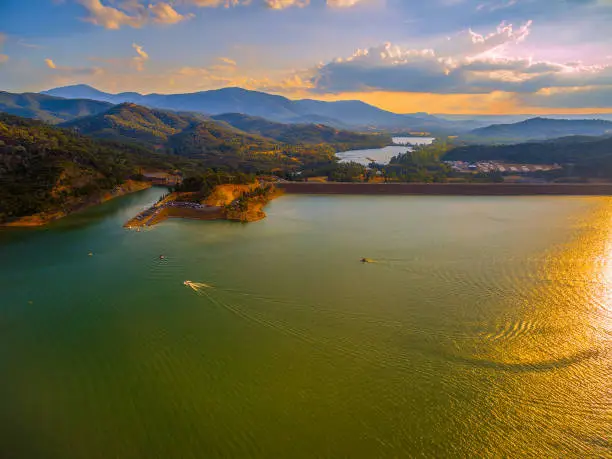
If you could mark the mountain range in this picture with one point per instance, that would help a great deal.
(272, 107)
(276, 117)
(487, 120)
(128, 121)
(542, 129)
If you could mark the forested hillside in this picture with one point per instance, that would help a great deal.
(47, 108)
(342, 140)
(45, 169)
(133, 123)
(217, 142)
(580, 155)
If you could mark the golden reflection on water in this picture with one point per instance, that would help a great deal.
(487, 347)
(555, 351)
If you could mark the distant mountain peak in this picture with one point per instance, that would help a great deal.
(74, 87)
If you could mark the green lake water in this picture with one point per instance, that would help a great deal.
(482, 329)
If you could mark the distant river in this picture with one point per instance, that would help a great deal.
(383, 155)
(482, 330)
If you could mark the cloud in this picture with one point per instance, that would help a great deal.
(65, 71)
(472, 65)
(496, 5)
(127, 71)
(139, 60)
(109, 17)
(444, 69)
(215, 3)
(25, 44)
(271, 4)
(282, 4)
(131, 13)
(163, 13)
(227, 61)
(342, 3)
(572, 97)
(470, 43)
(138, 13)
(219, 76)
(468, 63)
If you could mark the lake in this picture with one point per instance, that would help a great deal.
(481, 329)
(383, 155)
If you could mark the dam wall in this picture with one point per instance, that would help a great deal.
(462, 189)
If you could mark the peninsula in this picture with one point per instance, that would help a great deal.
(234, 202)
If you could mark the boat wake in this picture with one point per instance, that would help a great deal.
(197, 287)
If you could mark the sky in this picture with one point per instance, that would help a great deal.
(435, 56)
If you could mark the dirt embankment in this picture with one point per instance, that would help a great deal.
(79, 204)
(254, 207)
(223, 195)
(449, 189)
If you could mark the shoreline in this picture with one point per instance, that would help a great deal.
(448, 189)
(216, 207)
(44, 218)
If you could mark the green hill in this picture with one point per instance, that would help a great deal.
(216, 142)
(47, 169)
(47, 108)
(304, 133)
(132, 122)
(183, 133)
